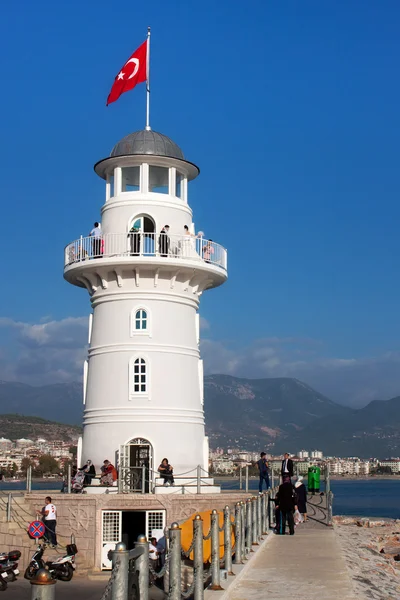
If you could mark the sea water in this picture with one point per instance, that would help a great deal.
(358, 497)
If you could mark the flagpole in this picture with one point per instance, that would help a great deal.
(148, 128)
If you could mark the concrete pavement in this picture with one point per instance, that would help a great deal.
(307, 566)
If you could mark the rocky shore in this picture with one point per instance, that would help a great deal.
(371, 548)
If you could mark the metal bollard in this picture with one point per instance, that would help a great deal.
(243, 521)
(228, 539)
(330, 507)
(248, 526)
(266, 514)
(198, 559)
(120, 572)
(69, 473)
(43, 586)
(238, 534)
(271, 508)
(263, 526)
(327, 479)
(247, 478)
(9, 502)
(254, 538)
(259, 528)
(175, 575)
(215, 568)
(240, 478)
(143, 567)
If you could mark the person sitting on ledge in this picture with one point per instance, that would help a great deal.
(108, 474)
(90, 472)
(166, 472)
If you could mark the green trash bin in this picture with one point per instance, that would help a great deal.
(314, 478)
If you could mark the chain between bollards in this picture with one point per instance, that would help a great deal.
(175, 575)
(238, 534)
(198, 560)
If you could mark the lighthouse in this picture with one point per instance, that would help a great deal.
(145, 269)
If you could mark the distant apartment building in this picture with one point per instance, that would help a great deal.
(317, 454)
(393, 463)
(349, 466)
(303, 454)
(223, 465)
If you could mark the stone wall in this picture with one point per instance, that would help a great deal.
(80, 515)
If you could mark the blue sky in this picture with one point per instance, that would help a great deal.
(291, 111)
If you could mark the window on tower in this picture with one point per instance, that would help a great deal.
(130, 179)
(178, 185)
(158, 180)
(141, 320)
(139, 376)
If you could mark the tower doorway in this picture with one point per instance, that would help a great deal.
(136, 466)
(142, 232)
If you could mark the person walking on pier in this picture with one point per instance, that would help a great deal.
(287, 468)
(286, 503)
(262, 465)
(301, 497)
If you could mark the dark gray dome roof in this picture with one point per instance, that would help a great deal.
(147, 142)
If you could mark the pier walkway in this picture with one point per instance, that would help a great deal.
(306, 566)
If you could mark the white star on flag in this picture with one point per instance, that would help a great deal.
(121, 75)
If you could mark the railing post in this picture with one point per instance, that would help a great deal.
(43, 586)
(143, 479)
(330, 507)
(29, 479)
(259, 526)
(248, 526)
(238, 534)
(240, 478)
(228, 539)
(198, 479)
(198, 559)
(9, 502)
(272, 477)
(175, 576)
(263, 526)
(120, 557)
(247, 478)
(243, 521)
(142, 566)
(215, 568)
(327, 479)
(69, 473)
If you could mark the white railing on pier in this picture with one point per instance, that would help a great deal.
(131, 245)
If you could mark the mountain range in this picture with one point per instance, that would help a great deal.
(275, 414)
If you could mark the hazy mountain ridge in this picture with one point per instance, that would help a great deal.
(276, 414)
(14, 427)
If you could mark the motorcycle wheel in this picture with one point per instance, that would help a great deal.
(30, 573)
(3, 585)
(11, 576)
(66, 574)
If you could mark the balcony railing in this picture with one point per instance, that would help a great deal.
(116, 245)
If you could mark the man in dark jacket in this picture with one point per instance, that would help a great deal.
(262, 465)
(287, 468)
(286, 503)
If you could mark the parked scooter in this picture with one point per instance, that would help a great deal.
(3, 580)
(62, 568)
(9, 564)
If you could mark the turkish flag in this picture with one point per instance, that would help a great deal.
(133, 72)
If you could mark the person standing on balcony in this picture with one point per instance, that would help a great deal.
(134, 234)
(208, 251)
(163, 241)
(96, 242)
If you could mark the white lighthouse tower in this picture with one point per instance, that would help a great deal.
(143, 379)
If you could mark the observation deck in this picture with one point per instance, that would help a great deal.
(144, 250)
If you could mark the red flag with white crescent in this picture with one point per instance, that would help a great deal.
(133, 72)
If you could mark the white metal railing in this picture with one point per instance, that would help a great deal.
(145, 244)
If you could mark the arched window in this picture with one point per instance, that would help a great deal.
(140, 320)
(139, 376)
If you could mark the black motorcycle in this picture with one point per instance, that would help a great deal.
(9, 565)
(63, 568)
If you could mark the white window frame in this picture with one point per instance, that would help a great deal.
(132, 394)
(140, 180)
(108, 185)
(134, 331)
